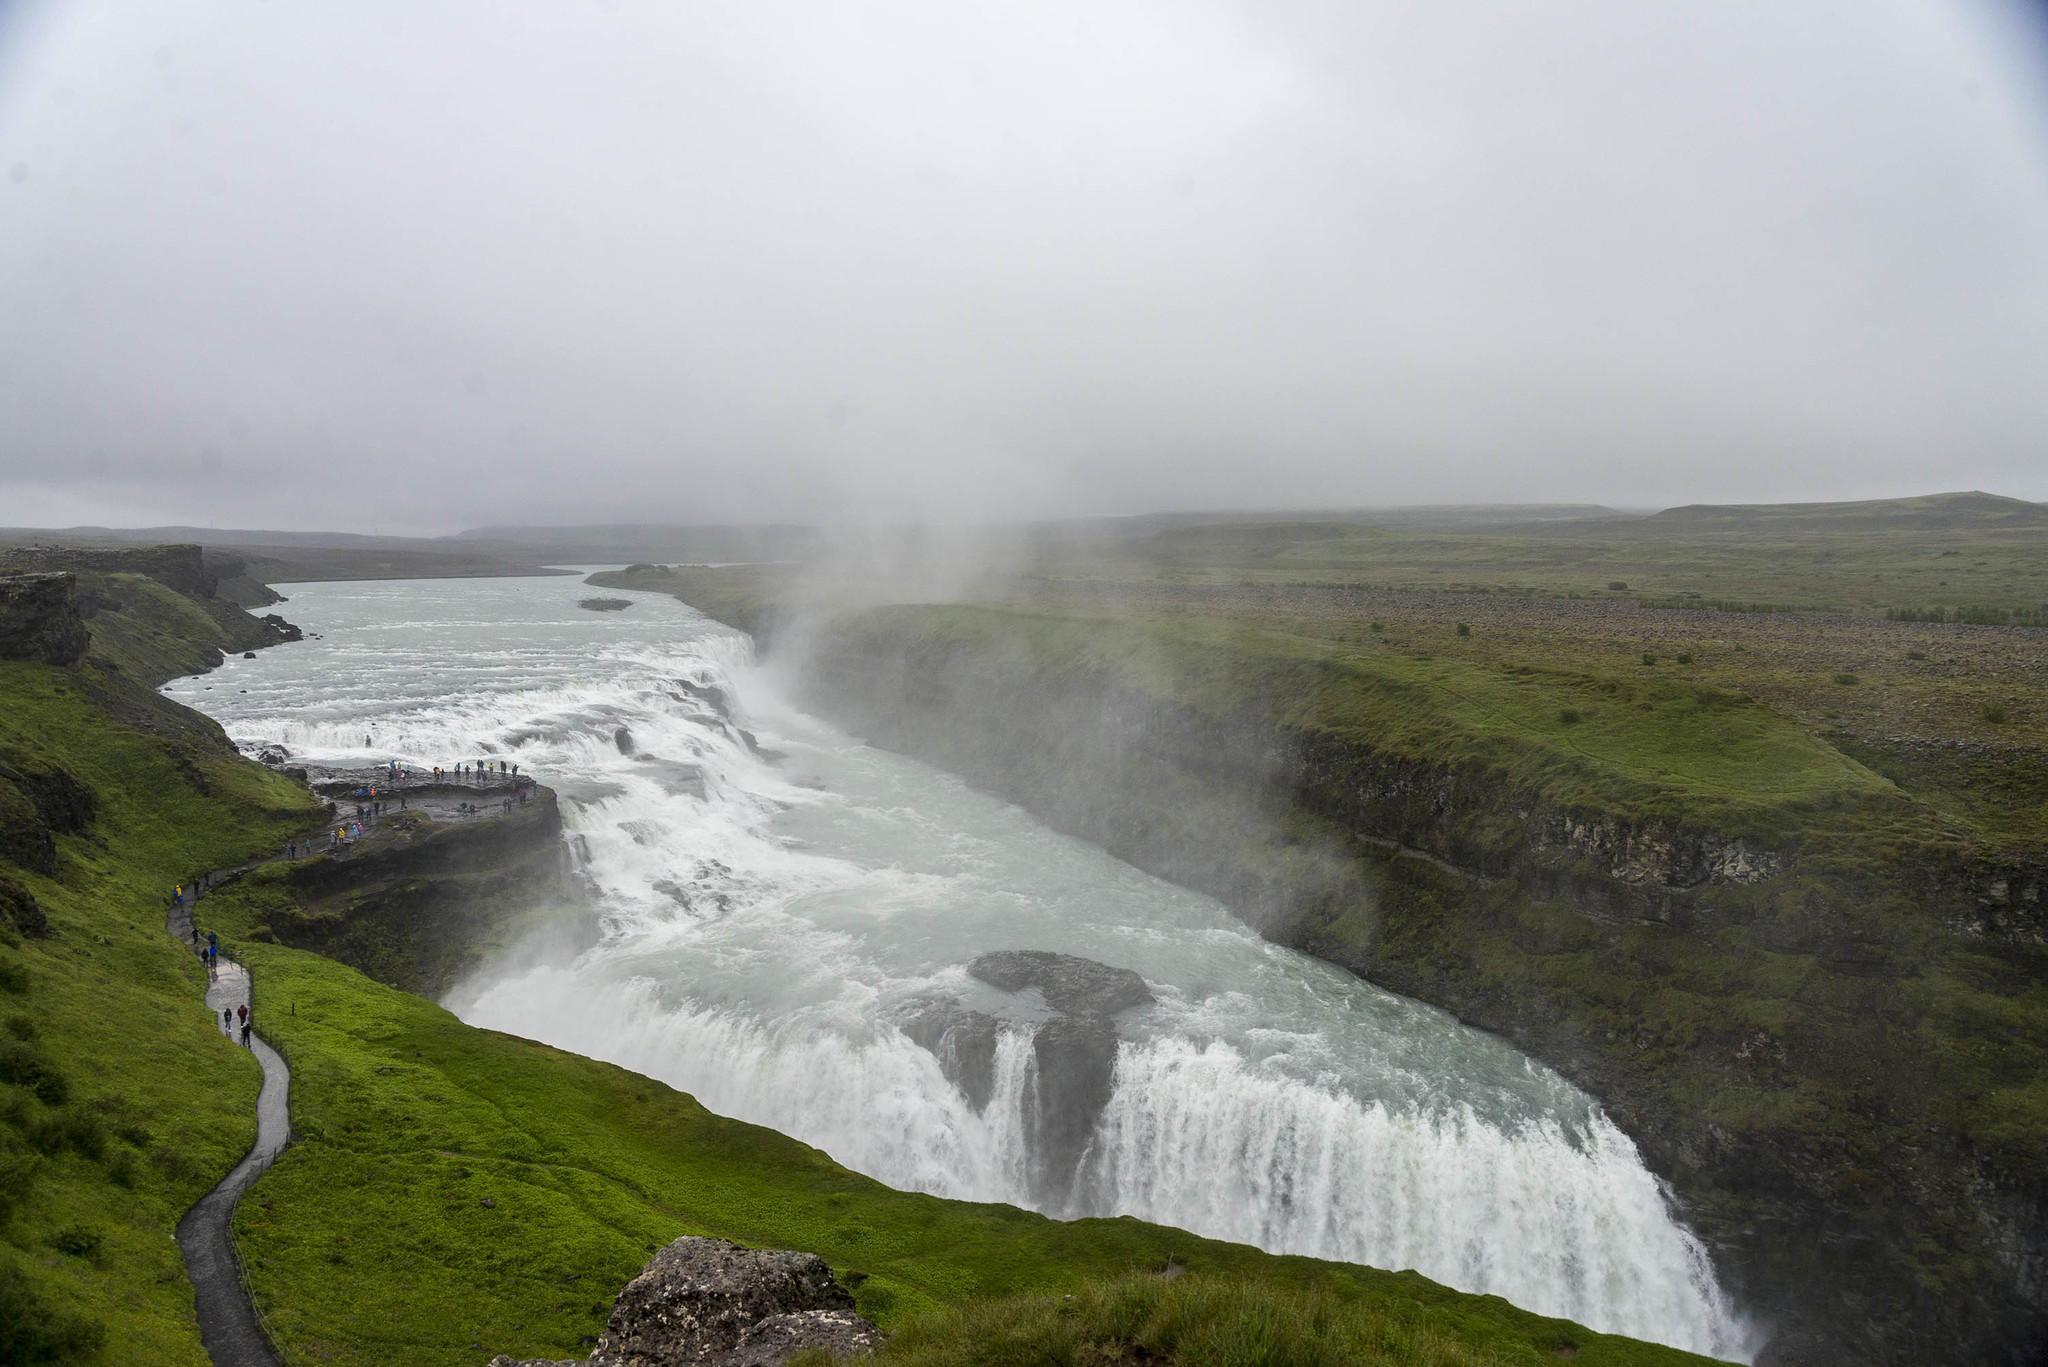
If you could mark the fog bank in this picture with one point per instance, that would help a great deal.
(410, 271)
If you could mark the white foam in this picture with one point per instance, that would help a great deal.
(767, 926)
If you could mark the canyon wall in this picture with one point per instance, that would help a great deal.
(1752, 1008)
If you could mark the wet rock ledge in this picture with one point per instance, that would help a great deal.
(1074, 1052)
(709, 1303)
(459, 874)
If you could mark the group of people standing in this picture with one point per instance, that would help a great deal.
(228, 1016)
(209, 954)
(478, 771)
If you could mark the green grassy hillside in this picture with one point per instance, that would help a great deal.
(1950, 550)
(1636, 743)
(122, 1105)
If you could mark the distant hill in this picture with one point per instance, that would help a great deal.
(1420, 517)
(207, 536)
(272, 557)
(626, 543)
(1972, 511)
(1969, 511)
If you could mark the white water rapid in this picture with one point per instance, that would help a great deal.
(771, 921)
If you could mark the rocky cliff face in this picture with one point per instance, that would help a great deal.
(39, 619)
(430, 894)
(234, 581)
(181, 567)
(154, 649)
(1748, 1012)
(39, 800)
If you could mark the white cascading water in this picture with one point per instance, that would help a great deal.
(772, 916)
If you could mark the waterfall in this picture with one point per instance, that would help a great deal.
(779, 902)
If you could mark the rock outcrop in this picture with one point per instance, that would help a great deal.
(434, 888)
(710, 1303)
(235, 582)
(19, 908)
(152, 647)
(1074, 1053)
(181, 568)
(39, 801)
(39, 619)
(1071, 985)
(964, 1043)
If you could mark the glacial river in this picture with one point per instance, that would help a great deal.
(772, 917)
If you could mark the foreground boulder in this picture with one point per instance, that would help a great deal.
(710, 1303)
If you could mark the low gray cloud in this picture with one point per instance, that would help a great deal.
(413, 268)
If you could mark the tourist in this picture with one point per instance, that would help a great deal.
(245, 1035)
(227, 1018)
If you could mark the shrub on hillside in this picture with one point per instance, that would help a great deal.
(24, 1064)
(80, 1241)
(34, 1331)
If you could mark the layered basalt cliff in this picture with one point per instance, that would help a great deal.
(39, 619)
(154, 611)
(432, 892)
(1770, 1013)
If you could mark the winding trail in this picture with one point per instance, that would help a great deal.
(228, 1326)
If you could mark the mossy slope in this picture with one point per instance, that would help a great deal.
(124, 1104)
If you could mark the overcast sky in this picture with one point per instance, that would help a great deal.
(403, 267)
